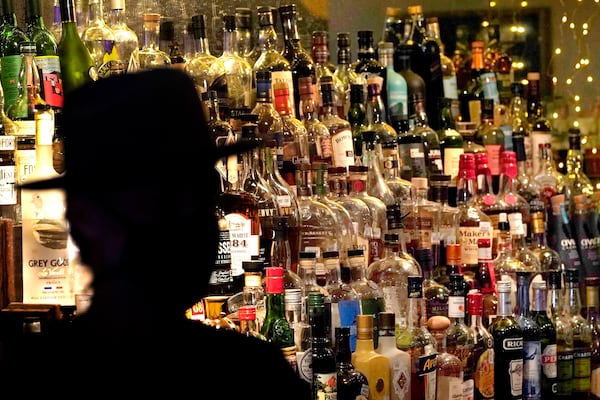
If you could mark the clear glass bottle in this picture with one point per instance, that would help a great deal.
(548, 257)
(149, 54)
(245, 32)
(399, 360)
(449, 369)
(269, 120)
(423, 222)
(508, 346)
(339, 128)
(517, 112)
(450, 83)
(448, 219)
(547, 337)
(126, 40)
(520, 249)
(298, 320)
(215, 314)
(435, 294)
(592, 313)
(343, 70)
(547, 176)
(451, 141)
(281, 253)
(485, 281)
(99, 38)
(368, 66)
(483, 361)
(575, 180)
(170, 44)
(430, 139)
(248, 326)
(376, 184)
(385, 133)
(526, 186)
(324, 67)
(205, 69)
(319, 139)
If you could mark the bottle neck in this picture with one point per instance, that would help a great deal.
(573, 298)
(504, 305)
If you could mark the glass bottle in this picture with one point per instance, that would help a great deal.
(374, 365)
(345, 302)
(435, 294)
(548, 257)
(520, 249)
(376, 184)
(449, 81)
(269, 58)
(343, 70)
(238, 74)
(508, 199)
(368, 66)
(483, 361)
(248, 327)
(399, 360)
(451, 141)
(149, 54)
(299, 58)
(491, 137)
(169, 44)
(508, 346)
(449, 371)
(220, 281)
(397, 89)
(526, 186)
(541, 134)
(220, 132)
(339, 128)
(298, 319)
(351, 383)
(592, 304)
(357, 117)
(506, 264)
(46, 58)
(499, 61)
(99, 38)
(485, 280)
(429, 138)
(459, 339)
(8, 168)
(56, 27)
(281, 254)
(532, 347)
(547, 337)
(390, 273)
(385, 133)
(245, 33)
(448, 220)
(564, 336)
(276, 328)
(575, 180)
(11, 37)
(324, 370)
(391, 174)
(393, 28)
(588, 244)
(582, 334)
(470, 97)
(423, 222)
(417, 341)
(319, 140)
(414, 82)
(517, 112)
(205, 69)
(547, 176)
(560, 235)
(323, 67)
(126, 40)
(473, 224)
(269, 120)
(253, 293)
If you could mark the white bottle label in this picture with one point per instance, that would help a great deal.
(343, 148)
(243, 243)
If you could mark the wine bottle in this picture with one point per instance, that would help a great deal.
(76, 64)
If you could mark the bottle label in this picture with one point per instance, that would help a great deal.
(494, 161)
(449, 388)
(468, 389)
(304, 363)
(537, 138)
(50, 80)
(243, 243)
(400, 378)
(582, 366)
(532, 383)
(490, 87)
(450, 87)
(595, 382)
(451, 162)
(564, 364)
(426, 374)
(467, 238)
(549, 361)
(348, 310)
(456, 307)
(413, 160)
(484, 373)
(343, 148)
(10, 67)
(325, 386)
(8, 191)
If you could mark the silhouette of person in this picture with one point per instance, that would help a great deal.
(140, 188)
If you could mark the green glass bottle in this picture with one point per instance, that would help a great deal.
(276, 327)
(76, 64)
(11, 37)
(324, 371)
(46, 54)
(547, 338)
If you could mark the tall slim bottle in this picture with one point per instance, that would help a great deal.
(99, 39)
(324, 369)
(592, 312)
(126, 40)
(339, 128)
(483, 350)
(351, 383)
(508, 347)
(399, 359)
(540, 316)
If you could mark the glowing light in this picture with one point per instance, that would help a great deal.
(569, 81)
(576, 97)
(585, 32)
(590, 79)
(555, 114)
(594, 150)
(585, 25)
(577, 108)
(564, 19)
(492, 4)
(554, 78)
(577, 66)
(558, 50)
(572, 25)
(576, 124)
(524, 4)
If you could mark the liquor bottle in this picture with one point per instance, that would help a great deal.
(205, 69)
(46, 58)
(368, 66)
(541, 127)
(485, 280)
(276, 328)
(99, 39)
(374, 365)
(470, 97)
(345, 302)
(238, 74)
(220, 281)
(396, 87)
(473, 224)
(318, 230)
(419, 343)
(532, 347)
(459, 339)
(324, 370)
(299, 58)
(424, 219)
(296, 314)
(520, 249)
(343, 70)
(386, 135)
(269, 58)
(508, 198)
(592, 304)
(390, 273)
(281, 253)
(449, 371)
(435, 294)
(483, 349)
(393, 28)
(508, 347)
(449, 81)
(357, 188)
(351, 383)
(491, 137)
(10, 52)
(149, 55)
(391, 173)
(426, 62)
(400, 362)
(23, 111)
(126, 40)
(339, 128)
(323, 67)
(517, 112)
(588, 245)
(548, 257)
(245, 34)
(169, 44)
(56, 27)
(451, 142)
(414, 82)
(582, 334)
(505, 263)
(357, 117)
(526, 186)
(220, 133)
(248, 326)
(547, 338)
(269, 120)
(319, 138)
(253, 293)
(376, 184)
(431, 142)
(498, 61)
(8, 190)
(561, 237)
(575, 180)
(547, 176)
(564, 335)
(485, 198)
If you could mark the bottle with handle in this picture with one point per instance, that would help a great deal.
(76, 64)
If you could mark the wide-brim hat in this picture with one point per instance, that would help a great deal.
(144, 126)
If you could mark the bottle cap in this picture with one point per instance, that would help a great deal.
(252, 266)
(315, 299)
(453, 253)
(419, 183)
(391, 238)
(475, 303)
(293, 296)
(386, 320)
(274, 284)
(247, 313)
(342, 331)
(503, 286)
(307, 255)
(274, 271)
(555, 279)
(364, 326)
(356, 252)
(572, 275)
(331, 254)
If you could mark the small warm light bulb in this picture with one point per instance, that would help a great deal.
(564, 19)
(569, 81)
(555, 115)
(576, 124)
(558, 50)
(585, 32)
(585, 25)
(590, 79)
(492, 4)
(577, 66)
(576, 97)
(554, 78)
(524, 4)
(577, 109)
